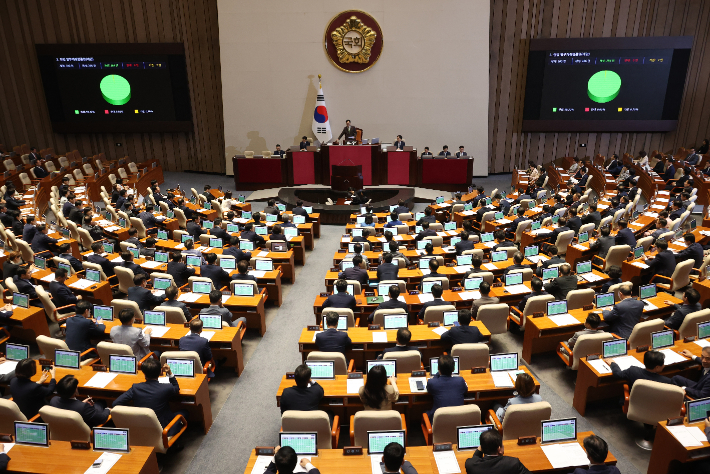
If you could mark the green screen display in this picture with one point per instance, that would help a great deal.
(615, 348)
(559, 430)
(67, 359)
(182, 367)
(504, 362)
(604, 86)
(16, 352)
(321, 369)
(115, 89)
(103, 312)
(110, 440)
(155, 317)
(30, 433)
(378, 441)
(123, 364)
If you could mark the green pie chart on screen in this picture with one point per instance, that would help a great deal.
(604, 86)
(115, 89)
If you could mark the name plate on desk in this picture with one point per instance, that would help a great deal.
(538, 314)
(457, 288)
(689, 339)
(355, 375)
(264, 451)
(313, 328)
(587, 307)
(335, 269)
(324, 294)
(642, 348)
(352, 451)
(290, 375)
(523, 440)
(593, 356)
(6, 438)
(99, 368)
(434, 324)
(497, 285)
(80, 445)
(443, 447)
(674, 421)
(413, 292)
(369, 293)
(478, 370)
(373, 327)
(418, 373)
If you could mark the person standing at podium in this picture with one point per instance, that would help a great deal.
(399, 143)
(348, 132)
(304, 143)
(445, 152)
(461, 153)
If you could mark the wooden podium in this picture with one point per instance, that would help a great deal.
(344, 177)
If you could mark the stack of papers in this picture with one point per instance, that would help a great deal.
(441, 234)
(502, 380)
(107, 462)
(378, 336)
(7, 367)
(258, 273)
(225, 298)
(688, 436)
(540, 231)
(205, 334)
(564, 319)
(591, 277)
(490, 266)
(100, 379)
(151, 264)
(650, 214)
(452, 232)
(189, 297)
(446, 462)
(440, 330)
(649, 307)
(424, 298)
(537, 258)
(624, 362)
(580, 247)
(345, 239)
(565, 455)
(263, 253)
(49, 277)
(470, 295)
(517, 289)
(490, 244)
(462, 268)
(355, 384)
(397, 237)
(157, 331)
(82, 284)
(112, 228)
(117, 259)
(639, 264)
(672, 357)
(467, 213)
(262, 462)
(703, 342)
(600, 366)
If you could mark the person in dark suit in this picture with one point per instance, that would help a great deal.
(299, 210)
(693, 251)
(433, 273)
(64, 252)
(68, 204)
(128, 263)
(185, 209)
(426, 232)
(277, 234)
(4, 459)
(393, 460)
(597, 452)
(574, 222)
(348, 132)
(29, 230)
(463, 333)
(12, 203)
(243, 272)
(445, 390)
(218, 232)
(701, 388)
(278, 152)
(669, 174)
(304, 143)
(399, 143)
(593, 217)
(195, 342)
(428, 216)
(664, 261)
(614, 273)
(404, 335)
(22, 281)
(34, 155)
(194, 228)
(653, 362)
(171, 294)
(461, 153)
(154, 395)
(61, 293)
(234, 250)
(625, 236)
(214, 272)
(179, 271)
(356, 272)
(518, 258)
(249, 234)
(41, 241)
(563, 284)
(28, 395)
(387, 270)
(501, 240)
(561, 227)
(106, 265)
(149, 249)
(537, 290)
(436, 292)
(401, 207)
(92, 412)
(340, 299)
(285, 462)
(149, 220)
(464, 244)
(426, 153)
(305, 396)
(615, 165)
(393, 303)
(553, 260)
(139, 293)
(38, 170)
(122, 200)
(691, 298)
(363, 237)
(602, 245)
(82, 328)
(445, 152)
(625, 314)
(332, 340)
(133, 237)
(692, 158)
(489, 459)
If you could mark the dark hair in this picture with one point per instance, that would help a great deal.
(484, 288)
(150, 368)
(393, 456)
(66, 387)
(83, 305)
(605, 230)
(394, 291)
(243, 267)
(126, 256)
(60, 272)
(614, 271)
(536, 284)
(404, 335)
(26, 368)
(437, 290)
(596, 448)
(302, 375)
(593, 320)
(171, 292)
(139, 279)
(524, 385)
(387, 257)
(433, 265)
(374, 392)
(477, 260)
(176, 256)
(625, 290)
(464, 317)
(215, 296)
(285, 459)
(446, 365)
(653, 359)
(150, 242)
(490, 441)
(196, 325)
(693, 295)
(518, 258)
(63, 248)
(125, 315)
(331, 319)
(341, 285)
(211, 258)
(689, 237)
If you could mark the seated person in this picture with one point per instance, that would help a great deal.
(140, 293)
(691, 298)
(178, 270)
(356, 272)
(463, 333)
(93, 412)
(82, 327)
(525, 387)
(436, 292)
(219, 276)
(190, 248)
(135, 338)
(363, 238)
(433, 272)
(404, 335)
(701, 388)
(489, 458)
(128, 263)
(234, 250)
(65, 253)
(217, 308)
(357, 251)
(445, 390)
(286, 460)
(340, 298)
(597, 452)
(485, 290)
(464, 244)
(426, 232)
(31, 396)
(518, 258)
(536, 285)
(97, 257)
(393, 303)
(387, 270)
(563, 284)
(625, 236)
(276, 234)
(133, 237)
(171, 294)
(305, 396)
(653, 366)
(393, 460)
(243, 272)
(394, 220)
(604, 242)
(693, 251)
(195, 342)
(332, 340)
(376, 394)
(591, 326)
(501, 241)
(61, 293)
(429, 216)
(625, 314)
(476, 262)
(614, 273)
(149, 249)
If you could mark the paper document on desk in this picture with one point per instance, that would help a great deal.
(355, 384)
(379, 336)
(540, 231)
(624, 362)
(639, 264)
(684, 436)
(315, 334)
(600, 366)
(151, 264)
(413, 384)
(601, 207)
(204, 334)
(536, 209)
(82, 283)
(398, 237)
(490, 266)
(7, 367)
(649, 306)
(257, 273)
(703, 342)
(100, 379)
(517, 289)
(425, 298)
(449, 249)
(48, 278)
(650, 214)
(470, 295)
(180, 246)
(565, 455)
(189, 297)
(112, 228)
(580, 247)
(467, 213)
(695, 432)
(452, 232)
(446, 462)
(440, 330)
(345, 239)
(157, 331)
(225, 298)
(107, 462)
(502, 380)
(672, 357)
(425, 271)
(382, 239)
(462, 268)
(263, 253)
(591, 277)
(441, 234)
(117, 259)
(635, 224)
(262, 462)
(564, 319)
(537, 258)
(503, 221)
(660, 208)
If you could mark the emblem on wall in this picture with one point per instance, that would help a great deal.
(353, 41)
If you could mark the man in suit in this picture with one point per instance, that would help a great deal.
(692, 158)
(122, 200)
(64, 252)
(485, 290)
(249, 234)
(34, 154)
(149, 220)
(149, 249)
(127, 257)
(591, 326)
(692, 251)
(445, 390)
(463, 333)
(399, 143)
(563, 284)
(278, 152)
(305, 396)
(92, 411)
(426, 232)
(4, 459)
(171, 294)
(194, 228)
(155, 395)
(76, 215)
(195, 342)
(332, 340)
(514, 225)
(340, 299)
(38, 170)
(68, 205)
(214, 272)
(664, 261)
(625, 314)
(701, 388)
(234, 250)
(216, 308)
(30, 396)
(428, 216)
(404, 335)
(285, 462)
(133, 237)
(106, 265)
(445, 152)
(669, 174)
(270, 207)
(218, 232)
(461, 153)
(553, 260)
(426, 153)
(436, 292)
(185, 210)
(615, 166)
(393, 303)
(135, 338)
(304, 143)
(393, 460)
(355, 272)
(24, 285)
(243, 272)
(29, 231)
(299, 210)
(537, 290)
(363, 237)
(82, 328)
(489, 459)
(518, 258)
(13, 204)
(653, 363)
(41, 241)
(139, 293)
(593, 217)
(394, 250)
(61, 293)
(676, 209)
(602, 245)
(561, 227)
(179, 271)
(501, 241)
(574, 222)
(597, 452)
(691, 298)
(464, 244)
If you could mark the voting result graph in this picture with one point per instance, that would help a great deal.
(559, 430)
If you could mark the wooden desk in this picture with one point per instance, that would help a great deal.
(363, 349)
(27, 324)
(60, 458)
(668, 452)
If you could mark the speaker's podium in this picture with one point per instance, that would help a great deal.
(344, 177)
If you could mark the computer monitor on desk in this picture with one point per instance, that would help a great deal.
(564, 429)
(377, 441)
(697, 410)
(111, 439)
(469, 437)
(322, 369)
(303, 443)
(395, 321)
(390, 366)
(614, 348)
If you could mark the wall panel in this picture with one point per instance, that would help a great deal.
(23, 110)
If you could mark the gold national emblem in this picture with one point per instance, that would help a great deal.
(353, 41)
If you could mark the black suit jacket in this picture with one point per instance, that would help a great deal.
(593, 217)
(80, 331)
(302, 398)
(332, 340)
(106, 265)
(197, 343)
(144, 298)
(42, 243)
(355, 273)
(560, 286)
(61, 294)
(478, 464)
(237, 253)
(148, 219)
(215, 273)
(180, 272)
(603, 244)
(662, 264)
(435, 302)
(694, 251)
(633, 373)
(425, 233)
(24, 286)
(134, 267)
(92, 415)
(347, 132)
(28, 233)
(195, 231)
(299, 211)
(154, 395)
(387, 271)
(30, 396)
(463, 246)
(340, 300)
(220, 233)
(75, 263)
(399, 145)
(574, 224)
(303, 145)
(626, 237)
(624, 316)
(462, 335)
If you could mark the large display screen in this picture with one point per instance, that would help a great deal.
(116, 87)
(605, 84)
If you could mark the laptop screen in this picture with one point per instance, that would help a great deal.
(532, 251)
(93, 275)
(357, 232)
(514, 279)
(536, 225)
(17, 351)
(703, 330)
(67, 359)
(434, 365)
(20, 299)
(638, 252)
(211, 321)
(302, 219)
(647, 291)
(271, 218)
(499, 256)
(614, 348)
(440, 199)
(170, 214)
(487, 237)
(604, 300)
(390, 366)
(321, 369)
(202, 287)
(33, 434)
(40, 262)
(504, 362)
(377, 441)
(455, 240)
(450, 226)
(135, 252)
(697, 410)
(207, 205)
(308, 209)
(583, 237)
(472, 283)
(161, 257)
(350, 290)
(111, 439)
(305, 444)
(450, 317)
(464, 259)
(108, 248)
(182, 367)
(228, 263)
(193, 260)
(555, 219)
(424, 262)
(162, 235)
(241, 289)
(66, 233)
(584, 267)
(104, 313)
(556, 307)
(469, 437)
(342, 323)
(122, 222)
(246, 215)
(395, 321)
(216, 243)
(427, 285)
(662, 339)
(185, 237)
(261, 230)
(162, 283)
(246, 245)
(231, 228)
(559, 430)
(122, 364)
(154, 318)
(383, 289)
(550, 273)
(290, 231)
(65, 266)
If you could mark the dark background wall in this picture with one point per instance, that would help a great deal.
(514, 22)
(23, 110)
